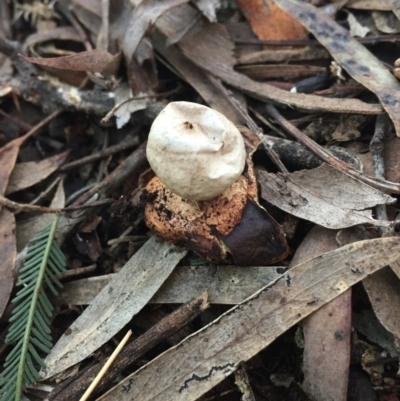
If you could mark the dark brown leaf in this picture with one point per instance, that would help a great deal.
(92, 61)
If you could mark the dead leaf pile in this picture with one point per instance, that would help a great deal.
(286, 285)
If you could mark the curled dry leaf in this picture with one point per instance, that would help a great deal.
(231, 227)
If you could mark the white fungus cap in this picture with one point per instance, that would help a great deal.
(195, 151)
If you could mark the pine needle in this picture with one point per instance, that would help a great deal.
(29, 332)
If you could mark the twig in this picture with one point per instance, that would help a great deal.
(267, 123)
(249, 121)
(42, 195)
(377, 147)
(24, 207)
(329, 158)
(107, 117)
(118, 176)
(159, 332)
(78, 271)
(20, 124)
(313, 42)
(38, 127)
(106, 366)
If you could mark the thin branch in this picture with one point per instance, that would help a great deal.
(130, 143)
(24, 207)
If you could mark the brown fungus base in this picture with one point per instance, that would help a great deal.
(229, 228)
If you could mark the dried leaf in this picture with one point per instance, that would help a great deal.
(366, 323)
(323, 195)
(383, 5)
(24, 175)
(228, 285)
(356, 29)
(116, 304)
(141, 20)
(8, 157)
(386, 22)
(123, 94)
(204, 359)
(383, 289)
(360, 64)
(395, 6)
(327, 331)
(8, 252)
(269, 22)
(92, 61)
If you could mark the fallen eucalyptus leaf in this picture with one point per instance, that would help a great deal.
(202, 360)
(327, 331)
(116, 304)
(323, 195)
(225, 284)
(92, 61)
(24, 175)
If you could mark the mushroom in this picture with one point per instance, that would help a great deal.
(204, 194)
(195, 151)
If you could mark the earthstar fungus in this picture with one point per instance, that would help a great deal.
(195, 151)
(204, 194)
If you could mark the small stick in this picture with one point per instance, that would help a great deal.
(103, 371)
(313, 42)
(78, 271)
(250, 122)
(107, 117)
(328, 157)
(101, 154)
(20, 124)
(24, 207)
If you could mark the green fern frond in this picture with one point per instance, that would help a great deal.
(29, 331)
